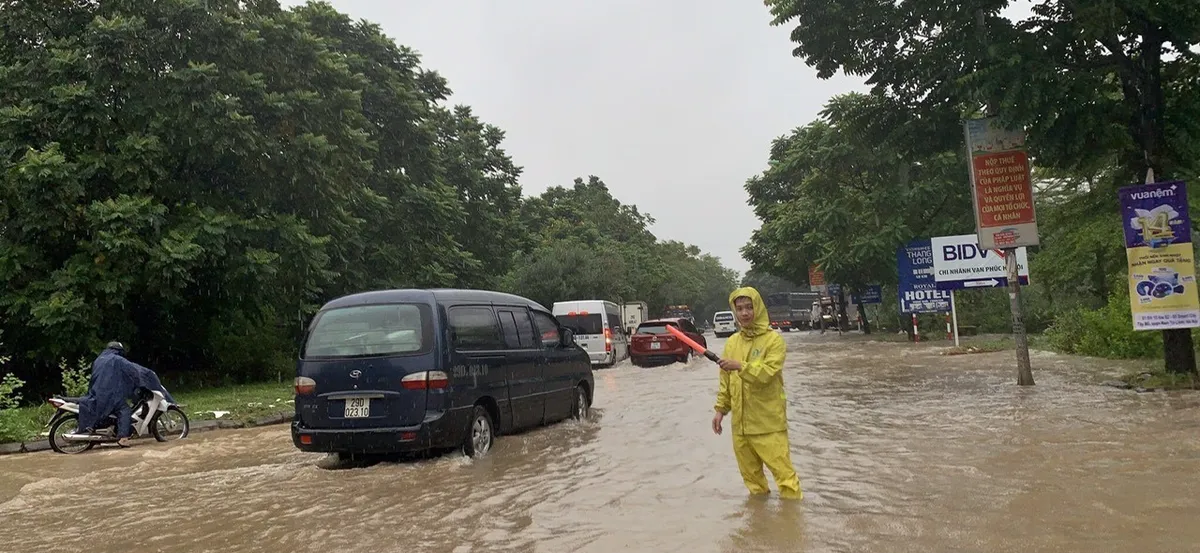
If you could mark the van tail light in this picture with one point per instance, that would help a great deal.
(425, 380)
(305, 385)
(607, 339)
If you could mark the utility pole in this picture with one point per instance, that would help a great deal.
(1024, 368)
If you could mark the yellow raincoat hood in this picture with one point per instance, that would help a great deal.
(762, 320)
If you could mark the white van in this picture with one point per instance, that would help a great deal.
(596, 325)
(723, 324)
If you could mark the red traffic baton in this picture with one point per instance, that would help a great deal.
(690, 342)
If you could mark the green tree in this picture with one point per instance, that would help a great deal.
(588, 244)
(767, 283)
(487, 183)
(844, 192)
(196, 179)
(152, 184)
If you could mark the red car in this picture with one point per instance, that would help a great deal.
(652, 343)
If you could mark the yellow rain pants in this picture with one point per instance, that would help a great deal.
(755, 397)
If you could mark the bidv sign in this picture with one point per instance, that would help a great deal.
(918, 291)
(959, 262)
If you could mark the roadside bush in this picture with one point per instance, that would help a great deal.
(1104, 332)
(11, 430)
(75, 379)
(249, 348)
(989, 309)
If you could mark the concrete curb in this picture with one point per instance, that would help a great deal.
(14, 448)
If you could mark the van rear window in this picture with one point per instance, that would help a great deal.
(653, 329)
(367, 330)
(723, 317)
(592, 323)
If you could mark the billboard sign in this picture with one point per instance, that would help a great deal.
(1158, 249)
(918, 291)
(1001, 185)
(960, 263)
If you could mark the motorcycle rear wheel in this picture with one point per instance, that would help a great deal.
(67, 425)
(167, 434)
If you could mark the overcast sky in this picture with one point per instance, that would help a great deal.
(673, 103)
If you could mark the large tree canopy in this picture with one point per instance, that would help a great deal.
(1090, 81)
(195, 178)
(1104, 90)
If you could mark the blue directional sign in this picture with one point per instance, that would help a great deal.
(834, 290)
(873, 294)
(918, 291)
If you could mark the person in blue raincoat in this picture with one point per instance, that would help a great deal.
(114, 381)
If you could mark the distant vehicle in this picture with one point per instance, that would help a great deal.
(801, 302)
(823, 315)
(414, 370)
(679, 312)
(652, 343)
(597, 328)
(724, 324)
(633, 314)
(779, 310)
(790, 310)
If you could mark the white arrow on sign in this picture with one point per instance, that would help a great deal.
(978, 283)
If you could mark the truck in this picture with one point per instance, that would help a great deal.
(633, 314)
(680, 311)
(791, 310)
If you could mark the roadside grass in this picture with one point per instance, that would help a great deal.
(240, 403)
(1160, 379)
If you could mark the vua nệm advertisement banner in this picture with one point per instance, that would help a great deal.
(1158, 249)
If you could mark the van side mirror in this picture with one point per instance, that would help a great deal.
(566, 337)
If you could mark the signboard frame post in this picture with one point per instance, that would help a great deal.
(954, 317)
(1005, 217)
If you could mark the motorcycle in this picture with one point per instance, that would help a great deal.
(152, 415)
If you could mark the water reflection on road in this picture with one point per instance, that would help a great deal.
(898, 449)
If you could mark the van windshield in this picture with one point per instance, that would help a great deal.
(366, 330)
(723, 317)
(592, 323)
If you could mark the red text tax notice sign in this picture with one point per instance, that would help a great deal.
(1000, 186)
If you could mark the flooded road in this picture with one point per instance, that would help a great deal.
(898, 449)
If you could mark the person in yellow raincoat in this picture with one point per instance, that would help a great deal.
(752, 390)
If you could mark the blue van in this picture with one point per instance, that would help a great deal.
(413, 370)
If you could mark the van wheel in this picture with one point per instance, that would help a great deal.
(480, 435)
(581, 408)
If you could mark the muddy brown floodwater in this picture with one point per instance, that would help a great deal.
(898, 449)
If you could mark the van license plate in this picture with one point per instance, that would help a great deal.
(358, 407)
(655, 345)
